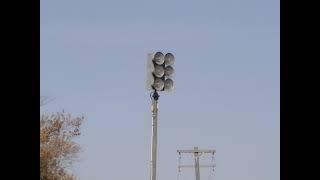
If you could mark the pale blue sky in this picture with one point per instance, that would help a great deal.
(93, 56)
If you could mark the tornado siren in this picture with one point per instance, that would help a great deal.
(160, 72)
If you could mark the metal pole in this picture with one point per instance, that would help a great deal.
(197, 153)
(196, 164)
(154, 109)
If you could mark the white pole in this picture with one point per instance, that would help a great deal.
(196, 163)
(154, 110)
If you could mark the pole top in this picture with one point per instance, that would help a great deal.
(155, 95)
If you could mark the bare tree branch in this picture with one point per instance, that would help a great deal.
(45, 100)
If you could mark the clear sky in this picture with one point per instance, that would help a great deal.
(93, 60)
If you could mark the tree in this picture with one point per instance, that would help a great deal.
(57, 147)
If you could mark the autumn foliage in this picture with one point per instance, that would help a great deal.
(58, 150)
